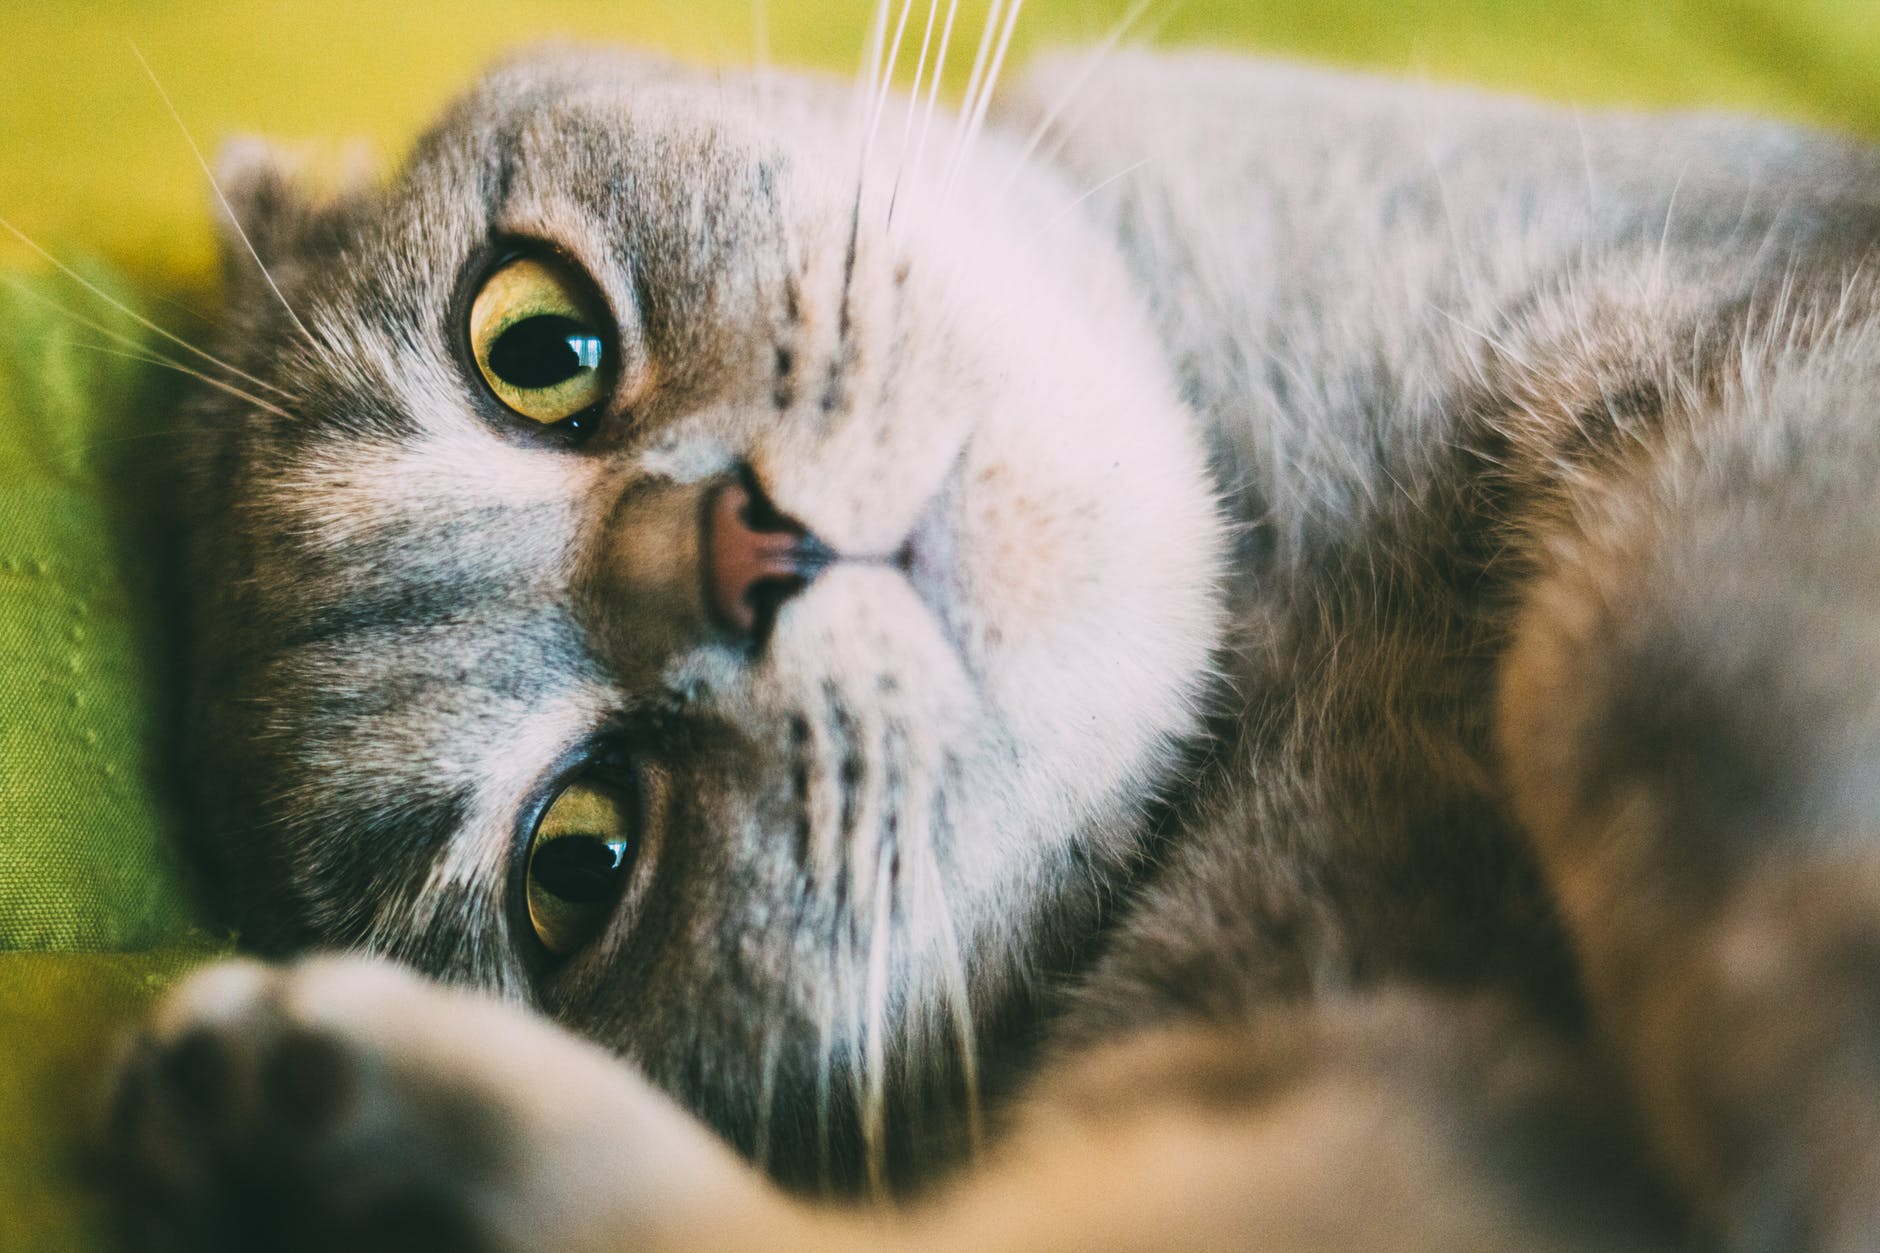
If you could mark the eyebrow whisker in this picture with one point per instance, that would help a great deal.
(1085, 72)
(133, 315)
(170, 363)
(220, 196)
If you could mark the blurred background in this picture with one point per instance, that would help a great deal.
(97, 909)
(90, 158)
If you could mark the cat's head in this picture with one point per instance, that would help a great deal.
(657, 585)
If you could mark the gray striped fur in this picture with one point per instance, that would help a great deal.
(1396, 733)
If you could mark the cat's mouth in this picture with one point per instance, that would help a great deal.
(929, 557)
(755, 558)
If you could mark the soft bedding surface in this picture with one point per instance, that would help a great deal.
(97, 911)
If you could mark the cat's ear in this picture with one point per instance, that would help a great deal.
(275, 203)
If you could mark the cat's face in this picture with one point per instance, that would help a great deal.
(795, 833)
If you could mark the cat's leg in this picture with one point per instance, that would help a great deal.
(1400, 1121)
(346, 1105)
(1690, 718)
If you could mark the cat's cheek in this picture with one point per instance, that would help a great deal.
(1087, 574)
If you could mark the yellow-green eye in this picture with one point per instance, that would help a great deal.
(537, 338)
(580, 857)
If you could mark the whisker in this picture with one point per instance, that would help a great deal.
(973, 80)
(874, 1042)
(866, 89)
(852, 992)
(1092, 63)
(933, 87)
(884, 85)
(23, 288)
(1071, 208)
(221, 198)
(957, 991)
(134, 316)
(866, 930)
(913, 98)
(922, 826)
(885, 82)
(208, 321)
(983, 105)
(136, 437)
(823, 891)
(1148, 34)
(872, 52)
(168, 363)
(138, 350)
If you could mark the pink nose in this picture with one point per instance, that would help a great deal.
(755, 560)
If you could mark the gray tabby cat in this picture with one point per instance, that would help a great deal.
(1306, 645)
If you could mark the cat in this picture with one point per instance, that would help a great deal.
(1219, 655)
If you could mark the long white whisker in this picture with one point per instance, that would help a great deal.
(188, 310)
(933, 87)
(958, 998)
(134, 316)
(854, 991)
(922, 827)
(872, 52)
(866, 930)
(1085, 72)
(221, 198)
(913, 98)
(25, 289)
(142, 351)
(1162, 20)
(986, 38)
(874, 1042)
(1070, 208)
(1148, 34)
(169, 363)
(920, 74)
(984, 104)
(885, 83)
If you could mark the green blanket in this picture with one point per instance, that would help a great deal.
(96, 912)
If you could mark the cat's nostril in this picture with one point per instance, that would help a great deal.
(755, 559)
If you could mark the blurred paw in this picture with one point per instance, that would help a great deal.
(244, 1121)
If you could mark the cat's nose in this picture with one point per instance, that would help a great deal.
(755, 559)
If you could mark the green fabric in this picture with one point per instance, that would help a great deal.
(95, 910)
(88, 153)
(87, 854)
(90, 871)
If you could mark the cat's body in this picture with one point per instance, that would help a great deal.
(1458, 839)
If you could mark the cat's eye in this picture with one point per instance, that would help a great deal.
(537, 335)
(579, 859)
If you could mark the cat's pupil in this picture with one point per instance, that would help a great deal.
(543, 351)
(581, 869)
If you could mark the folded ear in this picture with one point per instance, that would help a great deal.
(275, 203)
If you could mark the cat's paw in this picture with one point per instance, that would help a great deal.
(347, 1104)
(252, 1116)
